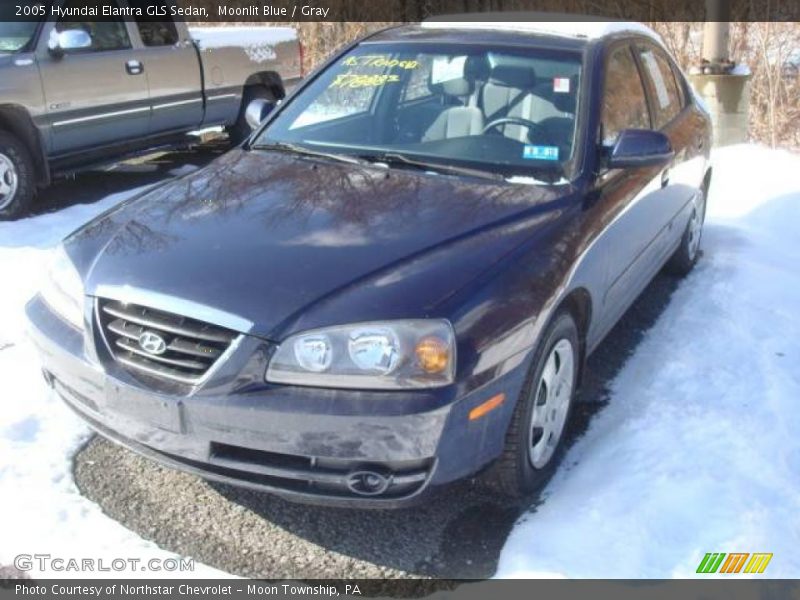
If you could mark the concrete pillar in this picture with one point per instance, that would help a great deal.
(728, 100)
(723, 86)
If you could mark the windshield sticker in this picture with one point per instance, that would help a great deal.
(380, 61)
(561, 85)
(447, 68)
(540, 152)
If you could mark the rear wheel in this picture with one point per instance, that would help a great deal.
(685, 257)
(534, 442)
(241, 130)
(17, 181)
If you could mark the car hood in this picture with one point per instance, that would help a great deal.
(260, 241)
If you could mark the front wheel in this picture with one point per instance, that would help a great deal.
(17, 178)
(534, 442)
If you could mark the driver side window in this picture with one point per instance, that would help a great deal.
(106, 35)
(624, 103)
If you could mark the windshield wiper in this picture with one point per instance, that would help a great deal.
(304, 151)
(394, 159)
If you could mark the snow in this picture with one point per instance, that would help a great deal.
(541, 23)
(42, 509)
(257, 42)
(220, 37)
(698, 449)
(741, 70)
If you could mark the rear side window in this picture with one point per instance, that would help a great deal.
(679, 82)
(154, 34)
(660, 81)
(418, 81)
(624, 104)
(157, 33)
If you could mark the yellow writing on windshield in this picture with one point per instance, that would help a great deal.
(379, 61)
(357, 80)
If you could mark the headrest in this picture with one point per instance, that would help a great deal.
(516, 76)
(457, 87)
(477, 67)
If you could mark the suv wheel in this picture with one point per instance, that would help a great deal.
(241, 130)
(16, 177)
(534, 442)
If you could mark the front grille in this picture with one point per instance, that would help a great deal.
(190, 347)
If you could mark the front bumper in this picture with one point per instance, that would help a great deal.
(309, 445)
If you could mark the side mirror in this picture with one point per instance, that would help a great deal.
(257, 111)
(72, 39)
(640, 148)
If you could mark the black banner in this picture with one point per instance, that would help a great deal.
(238, 589)
(270, 11)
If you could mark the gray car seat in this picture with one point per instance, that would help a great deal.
(515, 91)
(456, 121)
(509, 93)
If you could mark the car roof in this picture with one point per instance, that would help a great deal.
(567, 35)
(549, 24)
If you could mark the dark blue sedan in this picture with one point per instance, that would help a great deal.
(395, 283)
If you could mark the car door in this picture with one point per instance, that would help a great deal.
(675, 119)
(172, 70)
(97, 95)
(633, 197)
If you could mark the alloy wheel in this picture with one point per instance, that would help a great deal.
(551, 403)
(695, 233)
(9, 181)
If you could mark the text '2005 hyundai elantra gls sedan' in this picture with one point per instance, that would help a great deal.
(395, 283)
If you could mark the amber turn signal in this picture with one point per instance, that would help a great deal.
(433, 355)
(486, 407)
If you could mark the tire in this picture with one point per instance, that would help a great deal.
(532, 450)
(240, 130)
(17, 178)
(685, 257)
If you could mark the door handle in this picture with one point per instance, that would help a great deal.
(665, 178)
(134, 67)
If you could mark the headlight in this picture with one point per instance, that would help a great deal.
(62, 288)
(381, 355)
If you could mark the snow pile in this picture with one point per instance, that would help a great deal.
(258, 42)
(698, 450)
(42, 510)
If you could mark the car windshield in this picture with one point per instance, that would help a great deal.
(16, 36)
(502, 110)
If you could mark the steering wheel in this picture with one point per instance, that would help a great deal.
(533, 127)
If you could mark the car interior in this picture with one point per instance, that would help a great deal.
(496, 106)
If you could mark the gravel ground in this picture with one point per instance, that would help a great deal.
(458, 534)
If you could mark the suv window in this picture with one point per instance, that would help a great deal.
(624, 103)
(661, 84)
(106, 35)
